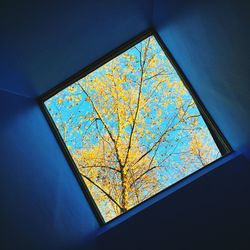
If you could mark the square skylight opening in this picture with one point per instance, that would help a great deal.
(131, 126)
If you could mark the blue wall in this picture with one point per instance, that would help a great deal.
(42, 206)
(210, 41)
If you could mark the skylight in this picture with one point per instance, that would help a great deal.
(132, 128)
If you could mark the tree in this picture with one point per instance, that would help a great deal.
(132, 128)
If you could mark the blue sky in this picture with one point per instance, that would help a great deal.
(77, 121)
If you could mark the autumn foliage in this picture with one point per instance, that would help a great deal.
(132, 128)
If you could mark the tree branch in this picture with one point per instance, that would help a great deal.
(163, 134)
(140, 176)
(142, 64)
(104, 124)
(108, 195)
(102, 166)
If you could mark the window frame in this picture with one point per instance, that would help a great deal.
(221, 142)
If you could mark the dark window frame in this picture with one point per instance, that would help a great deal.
(221, 142)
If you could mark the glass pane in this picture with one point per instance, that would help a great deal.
(132, 128)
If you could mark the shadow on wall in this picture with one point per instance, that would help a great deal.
(48, 41)
(209, 213)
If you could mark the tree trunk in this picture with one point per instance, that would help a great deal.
(124, 194)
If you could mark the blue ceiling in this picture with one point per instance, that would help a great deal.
(45, 42)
